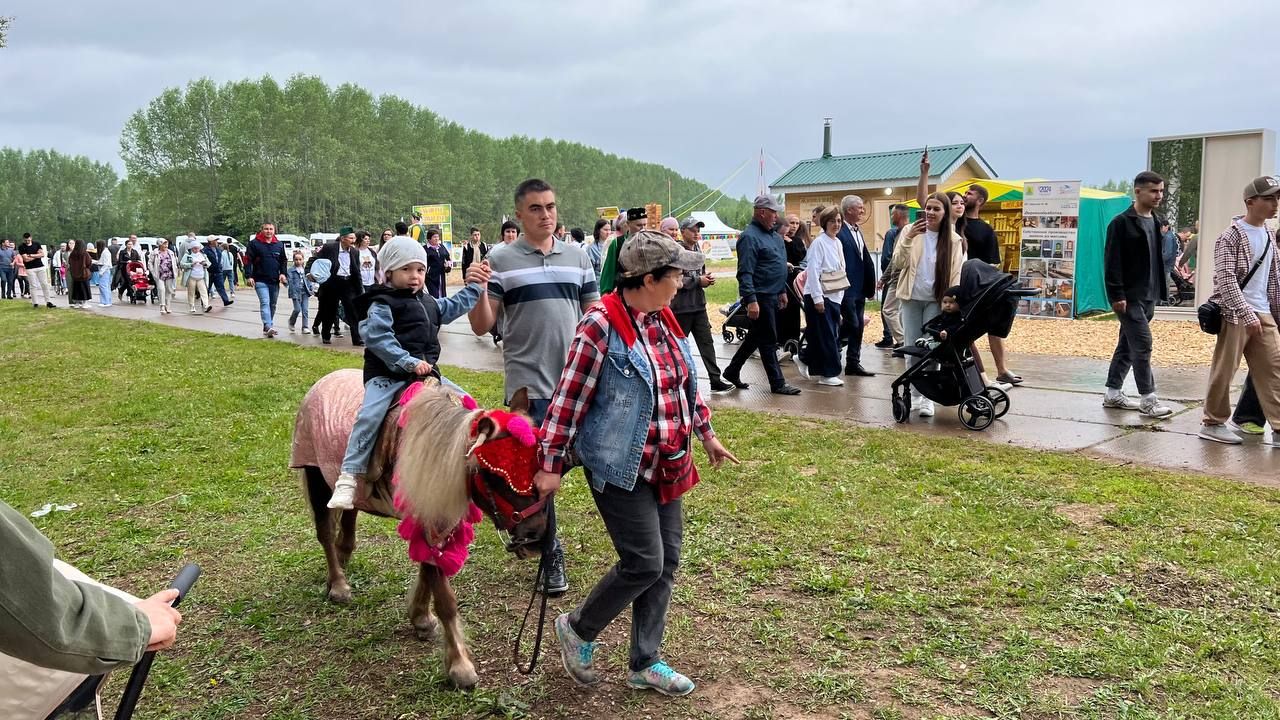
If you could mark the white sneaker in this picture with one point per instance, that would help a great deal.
(1220, 434)
(831, 381)
(784, 355)
(926, 408)
(1117, 399)
(306, 331)
(1152, 407)
(804, 369)
(344, 493)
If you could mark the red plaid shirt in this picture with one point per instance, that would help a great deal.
(577, 385)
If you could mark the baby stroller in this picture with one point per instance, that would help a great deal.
(31, 692)
(946, 373)
(1184, 290)
(139, 282)
(737, 323)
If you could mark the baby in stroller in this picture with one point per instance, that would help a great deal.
(944, 369)
(139, 282)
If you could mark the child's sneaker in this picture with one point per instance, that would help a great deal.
(659, 676)
(344, 493)
(575, 653)
(305, 330)
(290, 327)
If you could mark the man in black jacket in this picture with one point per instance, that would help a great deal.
(862, 281)
(1135, 280)
(342, 286)
(216, 270)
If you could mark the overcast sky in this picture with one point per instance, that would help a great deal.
(1063, 90)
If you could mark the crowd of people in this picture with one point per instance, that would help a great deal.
(596, 336)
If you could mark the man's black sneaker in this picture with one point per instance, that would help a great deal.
(886, 344)
(786, 390)
(720, 386)
(554, 582)
(733, 379)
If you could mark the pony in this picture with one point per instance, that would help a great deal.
(436, 455)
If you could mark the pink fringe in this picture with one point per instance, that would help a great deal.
(521, 430)
(449, 557)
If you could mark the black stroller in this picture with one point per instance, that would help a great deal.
(946, 373)
(736, 323)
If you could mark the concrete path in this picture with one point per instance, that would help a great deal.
(1057, 408)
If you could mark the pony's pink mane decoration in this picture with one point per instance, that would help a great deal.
(449, 553)
(516, 450)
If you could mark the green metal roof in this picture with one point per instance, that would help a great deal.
(873, 167)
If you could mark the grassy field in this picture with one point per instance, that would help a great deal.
(839, 572)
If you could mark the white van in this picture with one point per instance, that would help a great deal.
(294, 242)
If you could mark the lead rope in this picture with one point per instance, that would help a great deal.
(548, 542)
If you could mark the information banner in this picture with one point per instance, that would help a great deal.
(718, 246)
(1047, 261)
(607, 213)
(441, 216)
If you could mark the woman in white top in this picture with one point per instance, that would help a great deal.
(821, 354)
(368, 259)
(928, 256)
(164, 270)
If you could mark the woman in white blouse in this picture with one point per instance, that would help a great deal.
(821, 354)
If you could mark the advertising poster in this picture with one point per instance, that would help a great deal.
(1047, 261)
(608, 213)
(442, 217)
(718, 246)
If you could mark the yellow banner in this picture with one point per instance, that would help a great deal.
(441, 216)
(608, 213)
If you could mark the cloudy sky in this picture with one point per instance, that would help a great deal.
(1043, 88)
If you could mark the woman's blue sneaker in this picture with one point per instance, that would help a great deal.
(575, 653)
(659, 676)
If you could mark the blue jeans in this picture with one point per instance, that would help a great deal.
(222, 291)
(300, 307)
(379, 393)
(7, 276)
(104, 286)
(268, 293)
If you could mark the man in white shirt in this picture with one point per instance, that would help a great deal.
(1246, 286)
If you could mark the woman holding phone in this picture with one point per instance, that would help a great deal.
(927, 258)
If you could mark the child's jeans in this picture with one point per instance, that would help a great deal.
(379, 393)
(299, 308)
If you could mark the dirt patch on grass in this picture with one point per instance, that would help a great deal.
(1086, 516)
(1070, 691)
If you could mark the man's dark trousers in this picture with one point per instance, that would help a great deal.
(696, 325)
(762, 336)
(851, 327)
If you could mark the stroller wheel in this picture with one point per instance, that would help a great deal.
(742, 334)
(999, 400)
(901, 406)
(977, 412)
(727, 334)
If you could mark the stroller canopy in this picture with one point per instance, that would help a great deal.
(988, 298)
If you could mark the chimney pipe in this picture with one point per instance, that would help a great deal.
(826, 138)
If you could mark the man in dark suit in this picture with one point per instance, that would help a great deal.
(862, 282)
(342, 286)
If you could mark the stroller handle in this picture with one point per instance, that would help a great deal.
(186, 577)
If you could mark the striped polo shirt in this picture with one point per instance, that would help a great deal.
(542, 299)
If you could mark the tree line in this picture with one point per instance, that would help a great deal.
(222, 158)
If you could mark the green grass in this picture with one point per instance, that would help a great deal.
(839, 571)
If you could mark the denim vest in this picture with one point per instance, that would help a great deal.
(611, 437)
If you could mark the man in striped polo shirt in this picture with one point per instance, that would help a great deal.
(539, 287)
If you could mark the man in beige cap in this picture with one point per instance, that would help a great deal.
(1246, 287)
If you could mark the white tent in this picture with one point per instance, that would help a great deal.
(712, 225)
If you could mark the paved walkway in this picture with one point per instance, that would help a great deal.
(1057, 408)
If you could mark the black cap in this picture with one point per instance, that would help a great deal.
(636, 213)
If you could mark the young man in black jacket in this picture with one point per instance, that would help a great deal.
(1134, 276)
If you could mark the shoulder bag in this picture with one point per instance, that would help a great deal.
(1210, 313)
(834, 280)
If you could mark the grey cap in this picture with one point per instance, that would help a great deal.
(691, 222)
(647, 251)
(1262, 187)
(768, 202)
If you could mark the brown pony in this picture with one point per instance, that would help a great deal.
(433, 459)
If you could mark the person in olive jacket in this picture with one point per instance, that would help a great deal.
(53, 622)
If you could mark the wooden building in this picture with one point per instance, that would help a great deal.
(880, 179)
